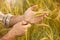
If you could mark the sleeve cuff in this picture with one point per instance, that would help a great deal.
(6, 19)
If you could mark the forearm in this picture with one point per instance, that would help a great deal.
(10, 20)
(15, 19)
(8, 36)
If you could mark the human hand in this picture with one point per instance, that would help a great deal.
(29, 13)
(19, 28)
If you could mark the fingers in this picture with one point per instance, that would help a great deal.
(45, 15)
(42, 11)
(34, 7)
(39, 18)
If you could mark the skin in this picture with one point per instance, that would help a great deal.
(18, 29)
(27, 16)
(21, 23)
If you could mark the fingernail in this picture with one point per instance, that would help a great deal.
(24, 23)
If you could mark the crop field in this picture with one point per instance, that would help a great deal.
(47, 29)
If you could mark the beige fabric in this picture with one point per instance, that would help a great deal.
(7, 19)
(1, 16)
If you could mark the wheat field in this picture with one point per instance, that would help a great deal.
(47, 29)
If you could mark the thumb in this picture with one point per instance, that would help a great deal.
(26, 24)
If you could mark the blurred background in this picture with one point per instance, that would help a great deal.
(47, 29)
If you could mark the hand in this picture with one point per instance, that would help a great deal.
(19, 29)
(28, 15)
